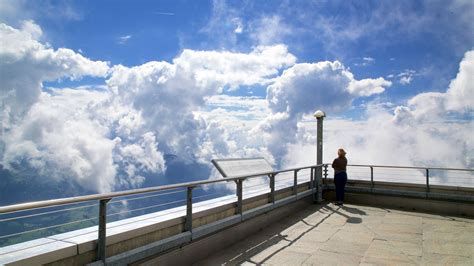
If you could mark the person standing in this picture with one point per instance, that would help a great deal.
(340, 175)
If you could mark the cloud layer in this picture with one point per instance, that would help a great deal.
(111, 136)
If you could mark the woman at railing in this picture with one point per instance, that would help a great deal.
(340, 176)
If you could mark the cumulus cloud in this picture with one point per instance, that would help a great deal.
(305, 87)
(59, 140)
(167, 94)
(458, 98)
(112, 136)
(26, 63)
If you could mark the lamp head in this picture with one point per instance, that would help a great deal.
(319, 114)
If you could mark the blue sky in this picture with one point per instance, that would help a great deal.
(113, 88)
(428, 38)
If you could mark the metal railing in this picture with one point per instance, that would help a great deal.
(188, 226)
(315, 185)
(425, 169)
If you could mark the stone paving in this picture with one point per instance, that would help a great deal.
(327, 234)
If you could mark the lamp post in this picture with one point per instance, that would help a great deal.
(319, 115)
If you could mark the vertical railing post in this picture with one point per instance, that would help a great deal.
(101, 243)
(239, 195)
(372, 176)
(325, 172)
(311, 183)
(272, 188)
(188, 225)
(427, 180)
(295, 183)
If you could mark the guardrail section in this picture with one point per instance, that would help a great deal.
(189, 217)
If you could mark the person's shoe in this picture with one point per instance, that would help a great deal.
(338, 203)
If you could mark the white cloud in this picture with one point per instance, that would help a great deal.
(212, 68)
(168, 95)
(59, 140)
(26, 63)
(12, 12)
(124, 39)
(367, 87)
(269, 30)
(239, 27)
(366, 61)
(224, 25)
(406, 76)
(302, 89)
(458, 98)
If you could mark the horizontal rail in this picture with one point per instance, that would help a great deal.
(410, 167)
(104, 196)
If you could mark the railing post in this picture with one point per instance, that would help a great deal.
(101, 243)
(427, 180)
(325, 172)
(188, 226)
(272, 188)
(311, 183)
(372, 176)
(239, 195)
(295, 183)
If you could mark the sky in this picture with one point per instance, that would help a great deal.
(100, 96)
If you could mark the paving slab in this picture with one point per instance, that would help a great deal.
(439, 259)
(322, 257)
(288, 257)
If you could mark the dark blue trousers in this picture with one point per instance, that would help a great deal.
(340, 180)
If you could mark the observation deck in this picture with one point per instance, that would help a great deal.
(392, 215)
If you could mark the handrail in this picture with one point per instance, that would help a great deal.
(63, 201)
(409, 167)
(104, 196)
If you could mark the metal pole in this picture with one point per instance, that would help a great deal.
(427, 180)
(188, 226)
(372, 176)
(325, 171)
(239, 196)
(101, 243)
(319, 159)
(272, 188)
(295, 182)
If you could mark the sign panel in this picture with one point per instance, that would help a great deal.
(242, 166)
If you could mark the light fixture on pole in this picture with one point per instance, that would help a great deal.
(319, 115)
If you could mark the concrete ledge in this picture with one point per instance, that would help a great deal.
(202, 248)
(215, 226)
(146, 251)
(424, 205)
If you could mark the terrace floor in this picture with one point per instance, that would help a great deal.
(353, 235)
